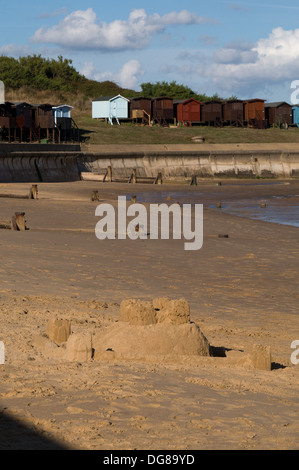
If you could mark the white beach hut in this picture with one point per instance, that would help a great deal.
(110, 107)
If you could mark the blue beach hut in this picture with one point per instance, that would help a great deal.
(62, 111)
(295, 110)
(64, 123)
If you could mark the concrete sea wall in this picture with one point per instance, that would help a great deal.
(50, 163)
(175, 162)
(39, 163)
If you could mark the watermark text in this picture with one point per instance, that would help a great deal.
(158, 223)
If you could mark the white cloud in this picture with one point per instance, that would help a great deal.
(264, 69)
(244, 69)
(127, 77)
(272, 62)
(82, 30)
(15, 50)
(272, 59)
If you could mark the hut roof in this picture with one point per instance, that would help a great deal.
(62, 106)
(253, 100)
(109, 98)
(276, 104)
(21, 103)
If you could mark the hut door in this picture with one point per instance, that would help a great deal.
(114, 108)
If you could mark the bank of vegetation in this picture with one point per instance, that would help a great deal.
(36, 74)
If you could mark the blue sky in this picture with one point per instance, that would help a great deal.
(247, 49)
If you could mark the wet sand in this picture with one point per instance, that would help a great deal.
(242, 291)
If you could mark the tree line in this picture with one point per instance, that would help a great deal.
(173, 90)
(39, 73)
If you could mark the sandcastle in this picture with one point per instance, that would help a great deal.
(155, 330)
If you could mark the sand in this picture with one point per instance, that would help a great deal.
(242, 289)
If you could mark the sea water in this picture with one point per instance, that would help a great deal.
(282, 210)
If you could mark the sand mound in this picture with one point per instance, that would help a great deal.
(151, 340)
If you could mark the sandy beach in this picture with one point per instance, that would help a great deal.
(242, 289)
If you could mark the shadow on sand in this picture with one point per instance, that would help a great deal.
(15, 435)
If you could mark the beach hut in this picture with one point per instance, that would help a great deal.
(140, 109)
(64, 124)
(7, 121)
(279, 113)
(62, 115)
(43, 119)
(162, 109)
(24, 121)
(233, 112)
(254, 113)
(110, 107)
(211, 112)
(187, 111)
(23, 113)
(295, 112)
(43, 115)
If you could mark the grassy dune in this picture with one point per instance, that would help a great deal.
(96, 132)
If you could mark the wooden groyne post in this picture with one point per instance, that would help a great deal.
(17, 222)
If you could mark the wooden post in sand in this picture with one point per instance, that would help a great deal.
(95, 196)
(109, 174)
(193, 181)
(33, 193)
(18, 221)
(158, 179)
(133, 178)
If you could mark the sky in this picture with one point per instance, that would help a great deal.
(243, 49)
